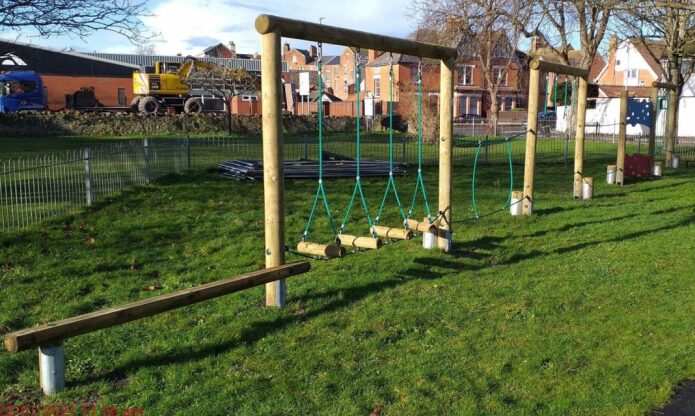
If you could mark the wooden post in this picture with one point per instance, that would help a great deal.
(188, 153)
(273, 183)
(651, 147)
(446, 130)
(531, 137)
(579, 137)
(622, 138)
(671, 127)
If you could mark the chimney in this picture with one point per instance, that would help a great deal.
(313, 52)
(232, 48)
(286, 48)
(372, 55)
(613, 46)
(537, 43)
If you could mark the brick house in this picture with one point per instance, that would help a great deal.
(632, 63)
(300, 59)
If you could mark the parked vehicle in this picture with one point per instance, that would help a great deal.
(548, 115)
(465, 118)
(21, 91)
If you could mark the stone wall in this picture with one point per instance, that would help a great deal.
(128, 124)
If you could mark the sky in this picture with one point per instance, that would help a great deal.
(189, 26)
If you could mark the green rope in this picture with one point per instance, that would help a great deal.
(391, 182)
(475, 169)
(320, 190)
(420, 183)
(358, 182)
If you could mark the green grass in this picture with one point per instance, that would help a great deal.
(584, 308)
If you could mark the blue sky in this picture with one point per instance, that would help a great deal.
(188, 26)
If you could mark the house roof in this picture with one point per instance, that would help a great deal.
(398, 59)
(137, 61)
(331, 97)
(52, 62)
(330, 60)
(217, 45)
(649, 49)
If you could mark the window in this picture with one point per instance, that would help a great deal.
(500, 75)
(377, 86)
(617, 62)
(344, 69)
(294, 59)
(631, 77)
(507, 103)
(20, 87)
(465, 74)
(413, 74)
(473, 102)
(121, 96)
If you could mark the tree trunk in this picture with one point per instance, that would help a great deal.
(494, 112)
(669, 145)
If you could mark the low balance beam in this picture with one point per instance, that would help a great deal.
(55, 332)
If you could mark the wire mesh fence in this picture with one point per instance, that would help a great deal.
(37, 188)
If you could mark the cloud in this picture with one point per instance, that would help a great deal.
(188, 26)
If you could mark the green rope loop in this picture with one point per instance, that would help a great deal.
(320, 190)
(420, 183)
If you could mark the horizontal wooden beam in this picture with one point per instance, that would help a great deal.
(57, 331)
(298, 29)
(665, 85)
(555, 68)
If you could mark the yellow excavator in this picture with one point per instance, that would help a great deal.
(168, 85)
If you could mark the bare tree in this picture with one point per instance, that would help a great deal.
(75, 17)
(146, 48)
(484, 33)
(224, 83)
(665, 30)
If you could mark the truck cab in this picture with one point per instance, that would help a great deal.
(21, 91)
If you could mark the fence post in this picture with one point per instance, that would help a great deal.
(567, 145)
(405, 156)
(306, 147)
(188, 152)
(88, 177)
(146, 152)
(487, 148)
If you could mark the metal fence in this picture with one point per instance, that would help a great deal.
(34, 189)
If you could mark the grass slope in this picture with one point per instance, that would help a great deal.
(585, 308)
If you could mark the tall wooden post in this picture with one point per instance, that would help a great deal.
(651, 146)
(671, 127)
(622, 138)
(531, 137)
(446, 146)
(579, 137)
(273, 183)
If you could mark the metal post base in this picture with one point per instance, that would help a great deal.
(52, 368)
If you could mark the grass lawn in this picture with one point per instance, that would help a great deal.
(585, 308)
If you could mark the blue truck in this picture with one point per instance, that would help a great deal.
(21, 91)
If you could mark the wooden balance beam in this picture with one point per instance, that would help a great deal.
(55, 332)
(321, 250)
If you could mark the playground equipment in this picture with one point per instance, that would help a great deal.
(536, 67)
(49, 337)
(272, 29)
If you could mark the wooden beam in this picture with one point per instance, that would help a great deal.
(531, 138)
(546, 66)
(665, 85)
(651, 147)
(55, 332)
(298, 29)
(273, 181)
(622, 140)
(446, 148)
(579, 137)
